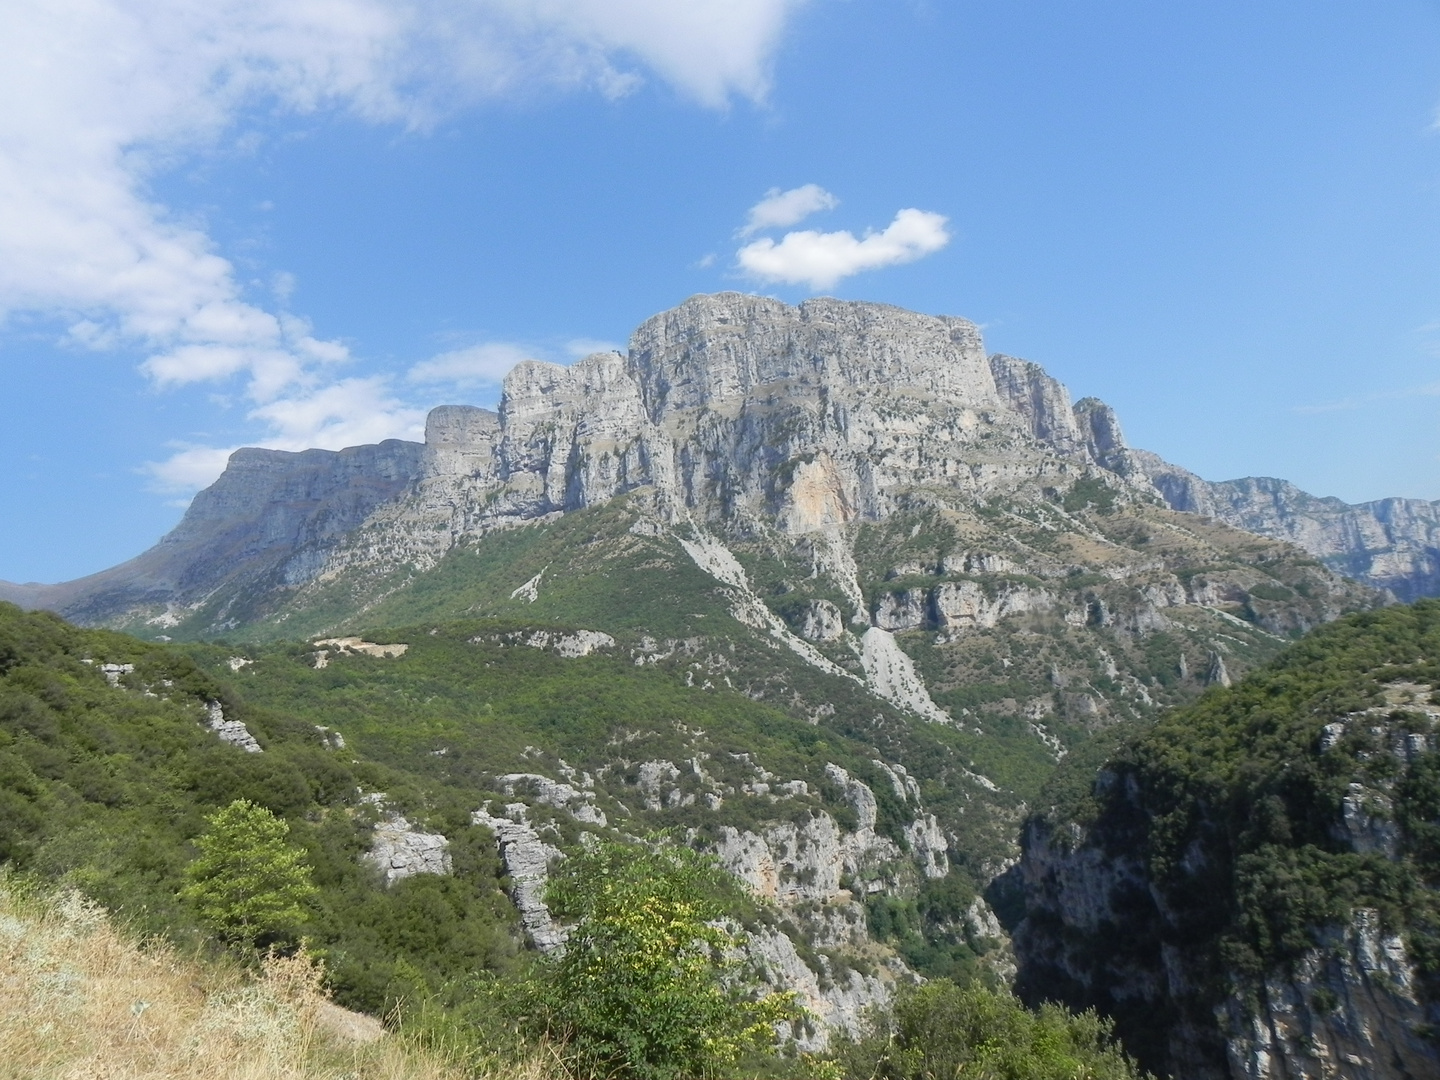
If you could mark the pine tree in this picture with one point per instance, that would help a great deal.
(248, 882)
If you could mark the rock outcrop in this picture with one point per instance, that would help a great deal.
(399, 850)
(233, 732)
(527, 861)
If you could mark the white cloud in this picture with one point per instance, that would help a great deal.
(189, 469)
(478, 365)
(349, 412)
(345, 413)
(97, 96)
(781, 209)
(819, 260)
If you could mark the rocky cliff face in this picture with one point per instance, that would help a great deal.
(1250, 889)
(813, 876)
(265, 525)
(731, 411)
(1391, 544)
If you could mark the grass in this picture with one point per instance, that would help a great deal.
(85, 998)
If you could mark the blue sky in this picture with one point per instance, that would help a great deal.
(296, 222)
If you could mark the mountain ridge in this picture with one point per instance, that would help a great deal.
(705, 356)
(708, 354)
(826, 588)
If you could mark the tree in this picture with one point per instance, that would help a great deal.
(647, 986)
(248, 882)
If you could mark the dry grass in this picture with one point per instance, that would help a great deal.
(82, 1000)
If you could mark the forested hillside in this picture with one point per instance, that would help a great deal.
(106, 776)
(130, 772)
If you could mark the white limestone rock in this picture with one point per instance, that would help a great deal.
(842, 1005)
(527, 861)
(399, 850)
(905, 609)
(966, 605)
(822, 621)
(233, 732)
(570, 645)
(577, 803)
(891, 674)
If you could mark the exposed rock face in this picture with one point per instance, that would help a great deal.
(1390, 543)
(1106, 928)
(813, 871)
(1042, 401)
(579, 804)
(1374, 1028)
(727, 406)
(579, 643)
(840, 1003)
(822, 621)
(263, 527)
(401, 851)
(730, 412)
(527, 860)
(965, 605)
(891, 674)
(233, 732)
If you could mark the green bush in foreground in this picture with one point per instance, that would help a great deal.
(941, 1031)
(646, 986)
(249, 884)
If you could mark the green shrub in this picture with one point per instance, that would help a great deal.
(941, 1030)
(646, 986)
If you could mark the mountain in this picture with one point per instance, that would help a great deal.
(844, 510)
(826, 590)
(730, 411)
(1251, 886)
(1391, 544)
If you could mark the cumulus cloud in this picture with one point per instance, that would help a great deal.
(781, 209)
(819, 260)
(476, 366)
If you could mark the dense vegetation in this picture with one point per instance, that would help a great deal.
(944, 1030)
(649, 984)
(111, 782)
(1266, 814)
(109, 788)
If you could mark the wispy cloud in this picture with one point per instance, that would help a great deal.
(781, 209)
(1360, 402)
(820, 260)
(478, 365)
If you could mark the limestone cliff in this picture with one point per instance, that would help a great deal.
(1250, 887)
(731, 412)
(264, 526)
(1389, 543)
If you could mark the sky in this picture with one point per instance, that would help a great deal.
(297, 223)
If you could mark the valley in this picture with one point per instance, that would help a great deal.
(825, 591)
